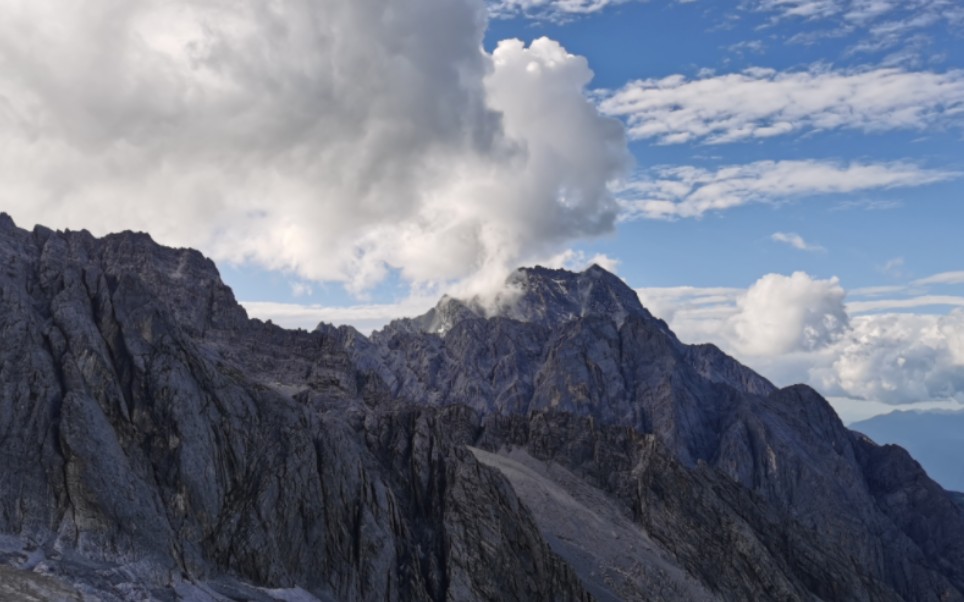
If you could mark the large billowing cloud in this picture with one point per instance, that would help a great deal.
(781, 314)
(338, 140)
(900, 358)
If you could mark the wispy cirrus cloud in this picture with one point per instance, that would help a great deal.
(673, 192)
(762, 103)
(796, 241)
(906, 303)
(901, 31)
(956, 277)
(893, 267)
(807, 9)
(912, 294)
(553, 10)
(860, 13)
(868, 205)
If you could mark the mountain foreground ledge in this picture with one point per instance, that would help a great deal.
(157, 444)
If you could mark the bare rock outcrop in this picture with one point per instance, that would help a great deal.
(158, 444)
(149, 446)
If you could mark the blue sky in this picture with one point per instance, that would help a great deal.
(882, 243)
(860, 231)
(781, 177)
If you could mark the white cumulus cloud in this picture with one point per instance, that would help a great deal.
(801, 329)
(777, 315)
(333, 140)
(782, 314)
(900, 358)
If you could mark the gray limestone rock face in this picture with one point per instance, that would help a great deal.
(152, 433)
(599, 356)
(158, 444)
(732, 541)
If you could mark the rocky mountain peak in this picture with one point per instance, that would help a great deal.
(157, 444)
(551, 297)
(538, 295)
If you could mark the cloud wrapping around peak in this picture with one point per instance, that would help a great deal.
(763, 103)
(578, 261)
(335, 140)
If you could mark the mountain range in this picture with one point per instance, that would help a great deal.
(555, 443)
(934, 437)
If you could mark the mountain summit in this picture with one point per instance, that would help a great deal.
(578, 342)
(561, 444)
(542, 296)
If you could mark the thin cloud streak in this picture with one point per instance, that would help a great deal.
(956, 277)
(807, 9)
(859, 307)
(549, 10)
(763, 103)
(796, 241)
(896, 32)
(673, 192)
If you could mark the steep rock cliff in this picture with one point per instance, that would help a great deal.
(157, 443)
